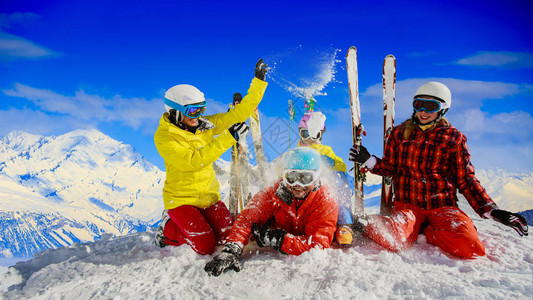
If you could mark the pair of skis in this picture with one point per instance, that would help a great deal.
(240, 194)
(389, 85)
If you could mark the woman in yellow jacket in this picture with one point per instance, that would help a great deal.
(190, 144)
(311, 128)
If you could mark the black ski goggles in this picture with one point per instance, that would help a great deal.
(304, 134)
(300, 177)
(427, 105)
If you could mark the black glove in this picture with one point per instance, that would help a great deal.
(261, 69)
(358, 154)
(228, 258)
(268, 237)
(515, 221)
(237, 130)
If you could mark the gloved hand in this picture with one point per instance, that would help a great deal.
(268, 237)
(328, 161)
(228, 258)
(238, 130)
(261, 69)
(513, 220)
(359, 154)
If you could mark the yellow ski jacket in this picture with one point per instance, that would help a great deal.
(189, 157)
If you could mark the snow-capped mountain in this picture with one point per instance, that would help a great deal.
(510, 190)
(59, 190)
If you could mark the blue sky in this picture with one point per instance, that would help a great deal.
(66, 65)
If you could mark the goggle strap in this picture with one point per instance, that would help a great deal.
(174, 105)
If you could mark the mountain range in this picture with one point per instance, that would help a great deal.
(59, 190)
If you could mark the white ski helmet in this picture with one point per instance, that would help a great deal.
(437, 90)
(183, 94)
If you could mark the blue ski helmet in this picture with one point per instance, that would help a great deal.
(302, 158)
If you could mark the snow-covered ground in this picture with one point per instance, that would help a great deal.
(131, 267)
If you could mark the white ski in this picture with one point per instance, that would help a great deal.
(239, 194)
(389, 89)
(255, 128)
(357, 127)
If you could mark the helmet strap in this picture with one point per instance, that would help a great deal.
(172, 116)
(179, 117)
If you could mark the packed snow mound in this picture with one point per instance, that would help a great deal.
(131, 267)
(59, 190)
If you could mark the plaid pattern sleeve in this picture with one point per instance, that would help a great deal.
(465, 179)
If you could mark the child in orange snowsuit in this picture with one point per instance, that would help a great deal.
(293, 216)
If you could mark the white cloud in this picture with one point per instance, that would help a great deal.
(135, 112)
(215, 107)
(503, 140)
(82, 106)
(13, 47)
(503, 129)
(491, 155)
(92, 109)
(499, 59)
(36, 122)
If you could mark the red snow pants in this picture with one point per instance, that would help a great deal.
(448, 228)
(201, 228)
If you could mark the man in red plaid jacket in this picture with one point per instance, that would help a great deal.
(428, 160)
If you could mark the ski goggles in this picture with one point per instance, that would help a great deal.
(300, 177)
(192, 111)
(427, 105)
(304, 134)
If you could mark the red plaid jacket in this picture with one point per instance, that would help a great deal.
(428, 167)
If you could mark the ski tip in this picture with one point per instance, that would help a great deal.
(351, 51)
(390, 56)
